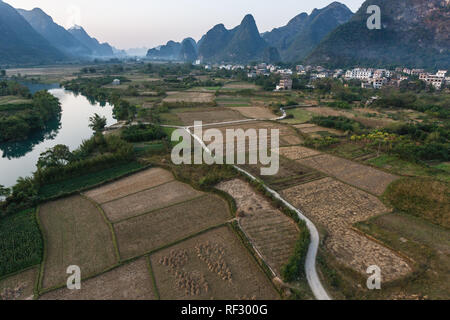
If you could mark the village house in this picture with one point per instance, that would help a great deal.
(285, 84)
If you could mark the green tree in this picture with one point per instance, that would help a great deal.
(3, 73)
(4, 192)
(57, 156)
(97, 123)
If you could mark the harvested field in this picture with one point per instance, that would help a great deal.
(76, 234)
(364, 177)
(132, 184)
(128, 282)
(337, 206)
(19, 286)
(255, 112)
(327, 112)
(290, 173)
(240, 85)
(297, 152)
(148, 200)
(159, 228)
(290, 140)
(284, 130)
(186, 96)
(271, 232)
(214, 265)
(308, 128)
(219, 115)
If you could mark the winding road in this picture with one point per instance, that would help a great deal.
(310, 264)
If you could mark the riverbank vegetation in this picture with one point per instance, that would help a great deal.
(19, 118)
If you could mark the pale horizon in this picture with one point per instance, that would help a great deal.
(152, 23)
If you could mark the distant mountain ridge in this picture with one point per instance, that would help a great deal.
(304, 32)
(20, 43)
(175, 51)
(414, 33)
(241, 44)
(59, 37)
(97, 48)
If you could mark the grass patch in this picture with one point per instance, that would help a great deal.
(402, 167)
(426, 198)
(86, 181)
(298, 116)
(20, 242)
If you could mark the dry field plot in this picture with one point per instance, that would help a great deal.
(364, 177)
(255, 112)
(186, 96)
(128, 282)
(76, 234)
(145, 233)
(19, 286)
(337, 206)
(297, 152)
(270, 231)
(132, 184)
(312, 128)
(288, 136)
(218, 115)
(214, 265)
(155, 198)
(290, 173)
(240, 85)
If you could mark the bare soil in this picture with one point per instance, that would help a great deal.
(148, 232)
(132, 184)
(128, 282)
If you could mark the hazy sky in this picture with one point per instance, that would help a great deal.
(138, 23)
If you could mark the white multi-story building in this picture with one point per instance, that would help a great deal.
(358, 73)
(441, 73)
(433, 79)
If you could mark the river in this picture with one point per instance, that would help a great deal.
(18, 159)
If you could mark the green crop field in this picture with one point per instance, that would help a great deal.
(20, 242)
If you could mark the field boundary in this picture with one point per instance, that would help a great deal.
(152, 276)
(162, 208)
(110, 226)
(134, 193)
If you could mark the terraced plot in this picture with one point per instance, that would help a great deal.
(148, 200)
(255, 112)
(19, 286)
(219, 115)
(273, 234)
(128, 282)
(214, 265)
(297, 152)
(148, 232)
(337, 206)
(364, 177)
(290, 173)
(186, 96)
(75, 234)
(135, 183)
(314, 129)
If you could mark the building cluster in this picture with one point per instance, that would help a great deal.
(436, 80)
(370, 78)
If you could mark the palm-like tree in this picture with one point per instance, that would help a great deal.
(97, 123)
